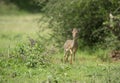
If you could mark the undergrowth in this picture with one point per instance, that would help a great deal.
(31, 62)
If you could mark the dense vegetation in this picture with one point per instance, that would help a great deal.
(88, 15)
(39, 58)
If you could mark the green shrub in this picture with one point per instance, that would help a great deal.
(32, 55)
(88, 15)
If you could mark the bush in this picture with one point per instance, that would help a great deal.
(32, 54)
(88, 15)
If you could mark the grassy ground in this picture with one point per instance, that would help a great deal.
(15, 28)
(87, 68)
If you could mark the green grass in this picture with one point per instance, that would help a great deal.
(15, 29)
(88, 67)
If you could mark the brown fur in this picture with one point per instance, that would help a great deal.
(71, 46)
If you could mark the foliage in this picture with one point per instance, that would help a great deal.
(87, 70)
(34, 61)
(88, 15)
(32, 54)
(114, 36)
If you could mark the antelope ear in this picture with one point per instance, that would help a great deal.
(72, 30)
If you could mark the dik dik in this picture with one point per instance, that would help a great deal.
(71, 46)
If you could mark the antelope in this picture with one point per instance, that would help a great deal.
(71, 46)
